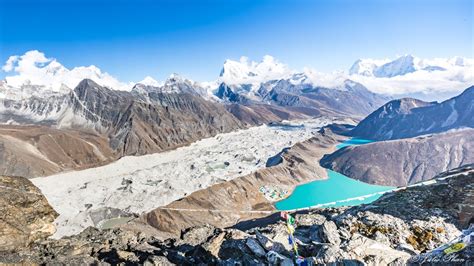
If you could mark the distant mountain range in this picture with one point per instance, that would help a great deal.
(33, 74)
(404, 65)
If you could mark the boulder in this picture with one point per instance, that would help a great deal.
(25, 214)
(157, 261)
(309, 219)
(274, 258)
(255, 247)
(266, 243)
(361, 247)
(198, 234)
(329, 234)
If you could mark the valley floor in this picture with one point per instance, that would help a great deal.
(138, 184)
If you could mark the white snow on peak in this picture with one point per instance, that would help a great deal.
(245, 71)
(366, 67)
(48, 76)
(149, 81)
(412, 76)
(406, 64)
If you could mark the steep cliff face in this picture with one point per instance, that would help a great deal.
(407, 117)
(405, 161)
(25, 215)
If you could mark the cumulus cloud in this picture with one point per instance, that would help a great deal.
(35, 68)
(328, 80)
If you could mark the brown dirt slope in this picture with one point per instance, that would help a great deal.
(31, 151)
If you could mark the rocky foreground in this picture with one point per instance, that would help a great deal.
(393, 230)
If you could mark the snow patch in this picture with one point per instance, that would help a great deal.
(453, 116)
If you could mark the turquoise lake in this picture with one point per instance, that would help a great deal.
(338, 190)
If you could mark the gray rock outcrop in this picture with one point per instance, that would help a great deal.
(25, 215)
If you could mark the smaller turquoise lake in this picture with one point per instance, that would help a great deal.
(338, 190)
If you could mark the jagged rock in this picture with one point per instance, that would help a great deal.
(328, 233)
(314, 234)
(25, 215)
(127, 256)
(310, 219)
(380, 237)
(347, 262)
(266, 243)
(213, 246)
(407, 248)
(253, 244)
(287, 262)
(364, 247)
(198, 234)
(157, 261)
(329, 254)
(233, 249)
(274, 258)
(281, 237)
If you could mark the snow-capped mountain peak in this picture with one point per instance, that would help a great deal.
(365, 67)
(149, 81)
(249, 72)
(398, 67)
(403, 65)
(34, 74)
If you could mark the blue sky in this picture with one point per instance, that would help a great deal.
(132, 39)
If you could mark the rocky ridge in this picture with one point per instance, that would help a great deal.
(405, 118)
(404, 161)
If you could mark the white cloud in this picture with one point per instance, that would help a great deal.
(10, 64)
(48, 74)
(328, 80)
